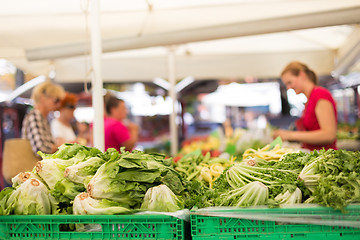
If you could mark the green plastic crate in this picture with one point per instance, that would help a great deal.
(149, 227)
(276, 223)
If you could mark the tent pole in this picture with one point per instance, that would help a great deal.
(97, 82)
(172, 94)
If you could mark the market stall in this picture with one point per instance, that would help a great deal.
(268, 192)
(254, 188)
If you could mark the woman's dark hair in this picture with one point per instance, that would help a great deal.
(111, 102)
(295, 67)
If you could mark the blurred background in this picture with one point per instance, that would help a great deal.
(226, 60)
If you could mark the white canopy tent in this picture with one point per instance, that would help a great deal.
(210, 39)
(258, 37)
(256, 94)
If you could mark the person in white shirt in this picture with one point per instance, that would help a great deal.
(61, 127)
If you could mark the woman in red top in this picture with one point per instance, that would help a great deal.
(316, 129)
(117, 133)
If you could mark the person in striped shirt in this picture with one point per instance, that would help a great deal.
(36, 127)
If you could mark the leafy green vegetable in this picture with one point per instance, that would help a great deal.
(70, 150)
(52, 170)
(4, 196)
(67, 171)
(174, 181)
(85, 205)
(22, 177)
(30, 198)
(203, 168)
(110, 154)
(127, 179)
(188, 163)
(65, 191)
(105, 184)
(289, 196)
(197, 194)
(241, 174)
(309, 177)
(83, 171)
(161, 199)
(251, 194)
(334, 177)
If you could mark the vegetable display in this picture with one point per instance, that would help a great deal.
(329, 178)
(127, 178)
(267, 153)
(83, 180)
(227, 140)
(333, 176)
(204, 168)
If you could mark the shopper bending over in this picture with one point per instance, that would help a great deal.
(316, 128)
(36, 127)
(118, 132)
